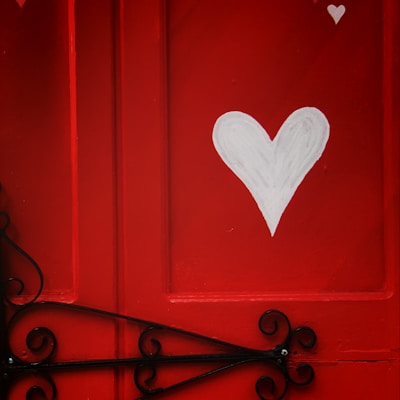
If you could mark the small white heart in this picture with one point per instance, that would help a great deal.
(271, 170)
(336, 12)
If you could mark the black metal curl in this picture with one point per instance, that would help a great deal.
(41, 340)
(305, 336)
(44, 386)
(20, 283)
(272, 317)
(269, 324)
(305, 373)
(266, 388)
(34, 391)
(24, 254)
(265, 384)
(144, 376)
(149, 351)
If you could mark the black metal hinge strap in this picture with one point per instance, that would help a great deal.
(151, 355)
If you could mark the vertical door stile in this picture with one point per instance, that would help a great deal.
(74, 141)
(119, 184)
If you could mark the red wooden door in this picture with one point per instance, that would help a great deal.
(115, 186)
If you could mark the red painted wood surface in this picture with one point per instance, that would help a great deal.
(109, 173)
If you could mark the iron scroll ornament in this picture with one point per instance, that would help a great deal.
(41, 343)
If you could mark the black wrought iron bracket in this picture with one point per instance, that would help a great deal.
(42, 362)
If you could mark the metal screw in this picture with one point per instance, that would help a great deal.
(284, 352)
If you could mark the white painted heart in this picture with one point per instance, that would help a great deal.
(271, 170)
(336, 12)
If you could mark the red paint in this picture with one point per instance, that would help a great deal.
(110, 176)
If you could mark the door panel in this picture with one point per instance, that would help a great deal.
(139, 215)
(35, 113)
(268, 59)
